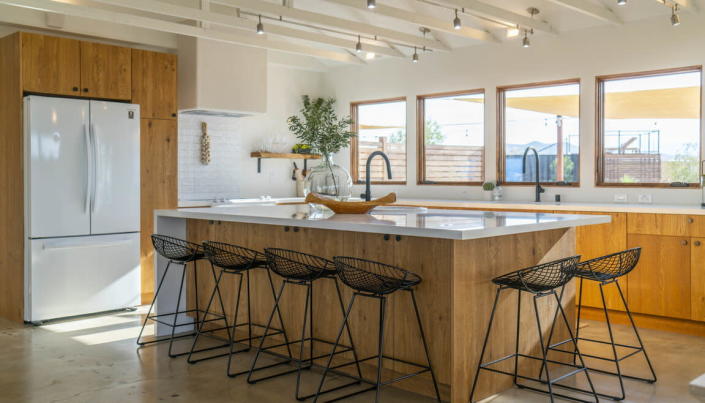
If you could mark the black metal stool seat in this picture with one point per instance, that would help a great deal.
(233, 260)
(373, 279)
(607, 270)
(179, 252)
(540, 280)
(300, 269)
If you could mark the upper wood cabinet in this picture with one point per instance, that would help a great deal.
(105, 71)
(61, 66)
(50, 64)
(154, 84)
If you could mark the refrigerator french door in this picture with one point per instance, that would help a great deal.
(82, 193)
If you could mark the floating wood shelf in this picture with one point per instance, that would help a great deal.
(291, 156)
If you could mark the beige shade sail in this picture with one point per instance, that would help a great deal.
(668, 103)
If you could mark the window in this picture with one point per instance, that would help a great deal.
(380, 126)
(451, 140)
(545, 117)
(649, 128)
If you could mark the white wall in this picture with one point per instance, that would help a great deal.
(232, 173)
(645, 45)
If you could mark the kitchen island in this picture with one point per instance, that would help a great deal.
(456, 253)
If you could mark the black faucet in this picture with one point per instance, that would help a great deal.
(539, 189)
(368, 193)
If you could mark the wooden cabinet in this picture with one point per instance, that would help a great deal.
(154, 84)
(105, 71)
(158, 166)
(661, 282)
(599, 240)
(697, 279)
(50, 64)
(61, 66)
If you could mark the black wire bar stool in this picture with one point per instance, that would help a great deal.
(239, 261)
(541, 280)
(377, 280)
(607, 270)
(301, 269)
(180, 252)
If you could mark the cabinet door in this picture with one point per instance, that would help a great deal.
(593, 241)
(659, 224)
(154, 84)
(660, 283)
(105, 71)
(50, 64)
(158, 187)
(697, 279)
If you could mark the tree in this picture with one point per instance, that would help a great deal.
(432, 134)
(684, 167)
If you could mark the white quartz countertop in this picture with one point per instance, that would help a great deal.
(431, 223)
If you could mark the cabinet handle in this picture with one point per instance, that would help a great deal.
(386, 237)
(173, 115)
(85, 90)
(684, 242)
(75, 88)
(286, 229)
(398, 238)
(296, 229)
(697, 243)
(690, 220)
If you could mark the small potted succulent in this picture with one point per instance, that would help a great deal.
(493, 191)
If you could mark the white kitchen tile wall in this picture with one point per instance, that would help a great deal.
(232, 173)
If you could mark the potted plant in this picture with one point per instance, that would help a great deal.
(326, 134)
(493, 191)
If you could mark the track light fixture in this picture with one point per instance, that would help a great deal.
(260, 27)
(358, 45)
(456, 21)
(415, 57)
(526, 42)
(621, 2)
(371, 4)
(675, 18)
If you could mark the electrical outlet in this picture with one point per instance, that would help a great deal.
(644, 198)
(620, 198)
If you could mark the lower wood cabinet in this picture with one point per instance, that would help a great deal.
(697, 279)
(661, 282)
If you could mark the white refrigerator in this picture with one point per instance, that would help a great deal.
(82, 207)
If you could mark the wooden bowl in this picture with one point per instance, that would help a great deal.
(342, 207)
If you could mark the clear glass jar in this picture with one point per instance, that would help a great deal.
(329, 179)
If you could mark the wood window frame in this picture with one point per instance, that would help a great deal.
(354, 147)
(420, 137)
(501, 163)
(599, 126)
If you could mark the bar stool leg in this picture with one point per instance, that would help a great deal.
(484, 344)
(203, 321)
(236, 313)
(347, 327)
(300, 361)
(249, 312)
(516, 342)
(279, 314)
(380, 346)
(575, 343)
(614, 348)
(176, 314)
(264, 336)
(425, 346)
(335, 346)
(543, 350)
(580, 309)
(151, 306)
(195, 289)
(638, 337)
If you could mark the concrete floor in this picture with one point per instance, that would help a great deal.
(95, 360)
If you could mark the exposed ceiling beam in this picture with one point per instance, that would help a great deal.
(590, 9)
(491, 12)
(420, 19)
(189, 13)
(175, 28)
(296, 14)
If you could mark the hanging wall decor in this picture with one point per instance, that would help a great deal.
(205, 144)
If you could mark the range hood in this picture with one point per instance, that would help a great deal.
(221, 79)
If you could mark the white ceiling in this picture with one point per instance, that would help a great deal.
(328, 29)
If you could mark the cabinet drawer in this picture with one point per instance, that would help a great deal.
(659, 224)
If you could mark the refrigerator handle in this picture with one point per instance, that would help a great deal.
(89, 167)
(94, 138)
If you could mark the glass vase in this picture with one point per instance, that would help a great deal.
(329, 179)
